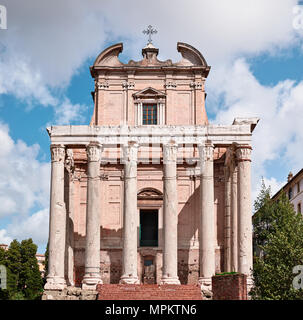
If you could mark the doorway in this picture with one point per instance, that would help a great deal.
(148, 228)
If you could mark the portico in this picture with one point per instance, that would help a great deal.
(98, 140)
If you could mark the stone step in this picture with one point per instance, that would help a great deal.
(148, 292)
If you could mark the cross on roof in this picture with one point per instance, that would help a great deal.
(150, 31)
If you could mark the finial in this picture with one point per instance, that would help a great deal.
(150, 31)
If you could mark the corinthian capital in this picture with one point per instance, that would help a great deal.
(243, 153)
(170, 152)
(130, 151)
(57, 152)
(93, 151)
(206, 151)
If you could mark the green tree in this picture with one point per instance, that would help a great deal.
(278, 232)
(23, 276)
(13, 264)
(30, 282)
(46, 262)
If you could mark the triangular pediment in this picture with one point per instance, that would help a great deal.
(149, 92)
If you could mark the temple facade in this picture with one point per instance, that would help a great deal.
(149, 191)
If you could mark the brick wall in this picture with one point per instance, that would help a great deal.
(148, 292)
(229, 287)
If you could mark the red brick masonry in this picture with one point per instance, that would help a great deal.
(229, 287)
(148, 292)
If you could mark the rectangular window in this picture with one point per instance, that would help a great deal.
(290, 193)
(299, 207)
(298, 187)
(149, 114)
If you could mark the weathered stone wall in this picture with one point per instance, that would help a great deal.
(70, 293)
(111, 266)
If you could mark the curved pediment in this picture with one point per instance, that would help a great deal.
(190, 56)
(150, 193)
(109, 56)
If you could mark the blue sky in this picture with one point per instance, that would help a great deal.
(254, 48)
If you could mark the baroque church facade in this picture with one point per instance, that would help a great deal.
(149, 191)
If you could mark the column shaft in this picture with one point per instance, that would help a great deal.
(92, 275)
(234, 220)
(130, 222)
(244, 211)
(227, 227)
(170, 219)
(207, 225)
(57, 225)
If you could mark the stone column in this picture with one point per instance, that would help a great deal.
(227, 229)
(57, 225)
(234, 219)
(207, 225)
(92, 275)
(170, 215)
(130, 217)
(244, 211)
(69, 201)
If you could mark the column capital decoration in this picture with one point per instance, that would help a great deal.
(93, 151)
(243, 153)
(102, 85)
(69, 161)
(170, 152)
(57, 152)
(206, 151)
(128, 85)
(196, 85)
(130, 151)
(170, 85)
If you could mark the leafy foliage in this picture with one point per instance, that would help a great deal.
(278, 233)
(23, 276)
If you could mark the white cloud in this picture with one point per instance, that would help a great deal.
(220, 29)
(279, 134)
(67, 112)
(4, 238)
(34, 226)
(24, 180)
(48, 43)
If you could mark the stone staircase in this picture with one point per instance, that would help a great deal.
(148, 292)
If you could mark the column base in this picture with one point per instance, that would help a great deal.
(205, 282)
(55, 283)
(170, 280)
(90, 282)
(129, 280)
(206, 288)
